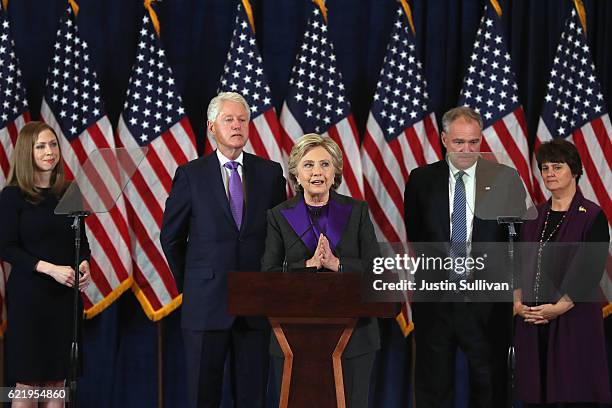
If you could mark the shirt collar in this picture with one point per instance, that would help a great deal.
(223, 159)
(470, 171)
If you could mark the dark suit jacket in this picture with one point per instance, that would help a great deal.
(499, 191)
(356, 249)
(200, 238)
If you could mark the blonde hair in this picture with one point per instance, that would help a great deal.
(23, 167)
(305, 144)
(215, 104)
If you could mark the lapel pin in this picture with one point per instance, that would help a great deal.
(582, 209)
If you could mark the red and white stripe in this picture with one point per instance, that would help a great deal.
(507, 138)
(8, 138)
(346, 135)
(386, 168)
(146, 195)
(107, 232)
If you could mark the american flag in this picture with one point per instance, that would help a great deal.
(316, 102)
(13, 115)
(401, 132)
(574, 109)
(154, 117)
(243, 73)
(72, 106)
(490, 89)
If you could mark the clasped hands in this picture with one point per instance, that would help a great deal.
(323, 256)
(542, 314)
(65, 274)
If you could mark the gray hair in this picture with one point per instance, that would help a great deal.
(460, 112)
(215, 104)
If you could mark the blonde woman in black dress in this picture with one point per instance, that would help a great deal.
(39, 246)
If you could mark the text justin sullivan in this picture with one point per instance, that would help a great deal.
(445, 285)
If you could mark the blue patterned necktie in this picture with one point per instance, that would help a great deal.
(459, 223)
(236, 193)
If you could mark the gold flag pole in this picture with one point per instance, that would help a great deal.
(581, 14)
(408, 12)
(497, 7)
(249, 12)
(152, 14)
(321, 5)
(75, 7)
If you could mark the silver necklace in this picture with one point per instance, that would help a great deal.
(542, 244)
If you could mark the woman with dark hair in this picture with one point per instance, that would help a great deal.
(39, 246)
(560, 343)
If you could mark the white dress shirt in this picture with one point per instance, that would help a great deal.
(469, 180)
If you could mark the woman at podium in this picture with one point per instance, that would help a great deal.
(560, 343)
(322, 230)
(39, 246)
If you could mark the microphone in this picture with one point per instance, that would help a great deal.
(315, 213)
(310, 227)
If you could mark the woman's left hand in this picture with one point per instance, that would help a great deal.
(85, 277)
(328, 259)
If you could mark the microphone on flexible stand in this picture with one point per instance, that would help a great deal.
(310, 227)
(314, 214)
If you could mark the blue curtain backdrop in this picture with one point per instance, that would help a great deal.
(121, 344)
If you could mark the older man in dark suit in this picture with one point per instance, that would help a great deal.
(441, 205)
(215, 222)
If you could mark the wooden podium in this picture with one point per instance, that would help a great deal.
(312, 315)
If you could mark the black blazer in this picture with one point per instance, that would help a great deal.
(356, 250)
(499, 191)
(200, 238)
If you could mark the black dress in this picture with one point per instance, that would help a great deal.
(40, 310)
